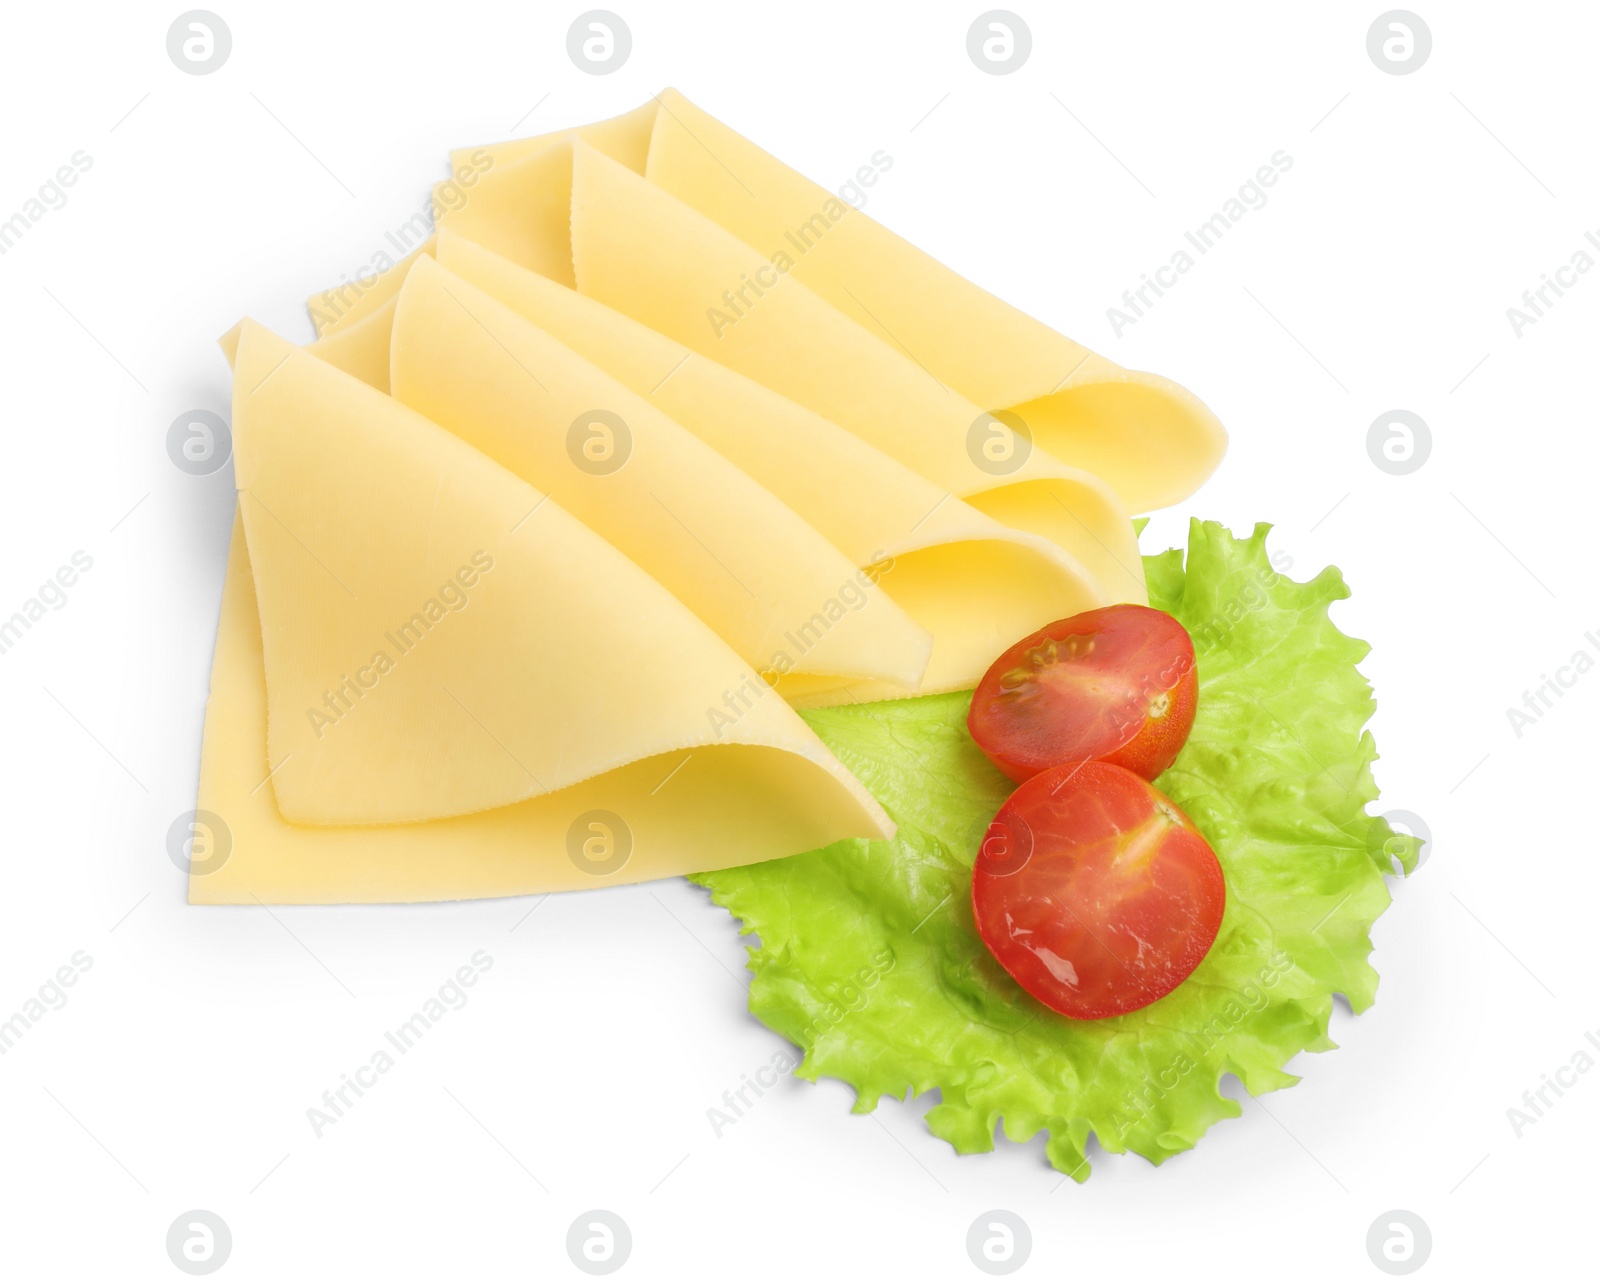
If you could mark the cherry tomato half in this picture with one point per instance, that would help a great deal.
(1095, 892)
(1115, 683)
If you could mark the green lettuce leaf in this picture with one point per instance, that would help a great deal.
(868, 959)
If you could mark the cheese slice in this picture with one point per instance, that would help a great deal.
(520, 210)
(733, 553)
(360, 348)
(337, 307)
(521, 204)
(666, 814)
(438, 638)
(975, 585)
(647, 254)
(625, 138)
(803, 347)
(1150, 438)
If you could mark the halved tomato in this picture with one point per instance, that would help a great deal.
(1115, 683)
(1095, 892)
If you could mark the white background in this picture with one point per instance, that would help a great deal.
(179, 1073)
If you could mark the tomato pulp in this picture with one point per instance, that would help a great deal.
(1116, 684)
(1095, 892)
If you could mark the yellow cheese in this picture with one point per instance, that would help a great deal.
(464, 654)
(520, 202)
(521, 210)
(439, 638)
(666, 814)
(352, 301)
(361, 348)
(739, 558)
(1151, 439)
(975, 585)
(647, 254)
(624, 138)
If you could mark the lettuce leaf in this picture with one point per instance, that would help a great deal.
(868, 959)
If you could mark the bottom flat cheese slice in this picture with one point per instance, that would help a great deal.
(439, 637)
(974, 584)
(739, 558)
(668, 814)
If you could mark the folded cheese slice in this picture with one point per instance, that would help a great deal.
(521, 210)
(974, 584)
(733, 553)
(522, 214)
(350, 302)
(661, 815)
(1151, 439)
(438, 639)
(360, 348)
(625, 138)
(651, 257)
(647, 254)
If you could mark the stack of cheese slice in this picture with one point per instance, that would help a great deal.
(544, 539)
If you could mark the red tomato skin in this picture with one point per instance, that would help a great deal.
(1155, 743)
(1054, 893)
(1143, 730)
